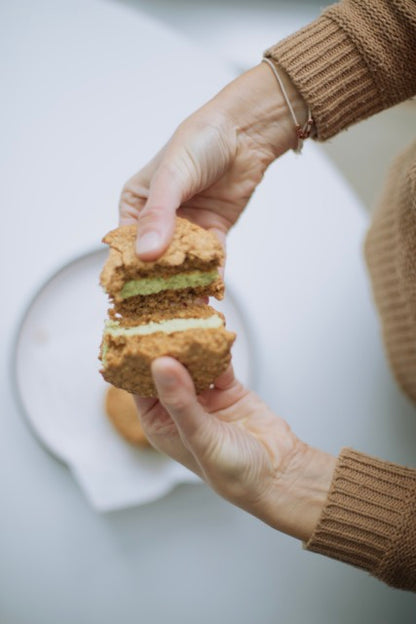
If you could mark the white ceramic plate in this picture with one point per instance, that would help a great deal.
(62, 392)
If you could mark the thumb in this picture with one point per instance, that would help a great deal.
(176, 392)
(156, 221)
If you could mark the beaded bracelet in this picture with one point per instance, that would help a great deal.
(302, 132)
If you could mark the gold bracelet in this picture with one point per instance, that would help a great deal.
(302, 132)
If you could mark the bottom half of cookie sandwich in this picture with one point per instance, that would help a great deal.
(194, 334)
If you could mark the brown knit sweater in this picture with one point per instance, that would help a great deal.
(357, 59)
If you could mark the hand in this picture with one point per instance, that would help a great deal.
(233, 441)
(209, 169)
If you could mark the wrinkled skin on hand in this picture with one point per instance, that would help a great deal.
(206, 173)
(230, 438)
(209, 169)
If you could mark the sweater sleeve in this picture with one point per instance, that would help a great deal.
(369, 520)
(356, 59)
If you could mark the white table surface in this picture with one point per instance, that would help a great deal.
(90, 89)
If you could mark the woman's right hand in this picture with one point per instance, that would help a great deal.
(210, 167)
(239, 447)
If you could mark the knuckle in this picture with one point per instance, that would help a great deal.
(133, 196)
(150, 217)
(177, 403)
(152, 211)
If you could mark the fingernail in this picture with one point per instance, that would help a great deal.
(148, 242)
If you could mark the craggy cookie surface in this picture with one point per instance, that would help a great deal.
(193, 250)
(205, 353)
(157, 310)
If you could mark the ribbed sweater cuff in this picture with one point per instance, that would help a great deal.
(330, 74)
(369, 518)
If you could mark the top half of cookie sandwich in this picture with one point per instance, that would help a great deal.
(188, 269)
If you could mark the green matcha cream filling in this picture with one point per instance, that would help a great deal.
(153, 285)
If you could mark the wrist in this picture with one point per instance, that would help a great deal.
(297, 498)
(256, 106)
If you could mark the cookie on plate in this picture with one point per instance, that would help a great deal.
(122, 412)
